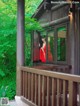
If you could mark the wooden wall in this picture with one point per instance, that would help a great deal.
(59, 12)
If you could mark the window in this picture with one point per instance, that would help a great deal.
(61, 44)
(50, 47)
(56, 48)
(56, 45)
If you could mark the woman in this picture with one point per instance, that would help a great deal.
(43, 51)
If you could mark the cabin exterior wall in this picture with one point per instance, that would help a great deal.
(73, 34)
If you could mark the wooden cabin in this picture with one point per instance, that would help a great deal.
(55, 82)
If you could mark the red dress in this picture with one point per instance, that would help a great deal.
(43, 54)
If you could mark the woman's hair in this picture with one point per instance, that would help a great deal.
(40, 41)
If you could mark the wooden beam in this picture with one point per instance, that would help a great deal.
(56, 22)
(20, 40)
(54, 8)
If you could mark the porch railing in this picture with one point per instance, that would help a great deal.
(46, 88)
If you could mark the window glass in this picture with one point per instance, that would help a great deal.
(36, 47)
(50, 46)
(61, 44)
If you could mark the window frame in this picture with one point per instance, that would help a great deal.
(55, 28)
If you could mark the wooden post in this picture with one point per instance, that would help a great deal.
(79, 41)
(71, 42)
(20, 41)
(75, 40)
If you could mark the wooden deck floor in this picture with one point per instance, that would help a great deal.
(17, 102)
(20, 101)
(12, 103)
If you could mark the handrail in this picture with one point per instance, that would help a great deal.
(58, 75)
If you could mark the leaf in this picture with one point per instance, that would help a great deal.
(2, 74)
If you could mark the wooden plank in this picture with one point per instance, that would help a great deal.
(70, 93)
(53, 92)
(79, 95)
(32, 87)
(36, 90)
(58, 93)
(75, 88)
(23, 84)
(64, 93)
(43, 91)
(29, 86)
(26, 85)
(48, 93)
(39, 89)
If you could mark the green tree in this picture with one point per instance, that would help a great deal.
(8, 17)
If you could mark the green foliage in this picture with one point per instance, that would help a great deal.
(7, 86)
(31, 6)
(8, 91)
(8, 34)
(11, 90)
(3, 91)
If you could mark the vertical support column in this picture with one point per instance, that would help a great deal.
(20, 41)
(75, 40)
(71, 41)
(79, 41)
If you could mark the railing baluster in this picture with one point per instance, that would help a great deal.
(79, 95)
(58, 93)
(43, 91)
(70, 93)
(36, 90)
(75, 94)
(32, 87)
(29, 86)
(48, 93)
(64, 93)
(23, 84)
(39, 90)
(53, 92)
(26, 85)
